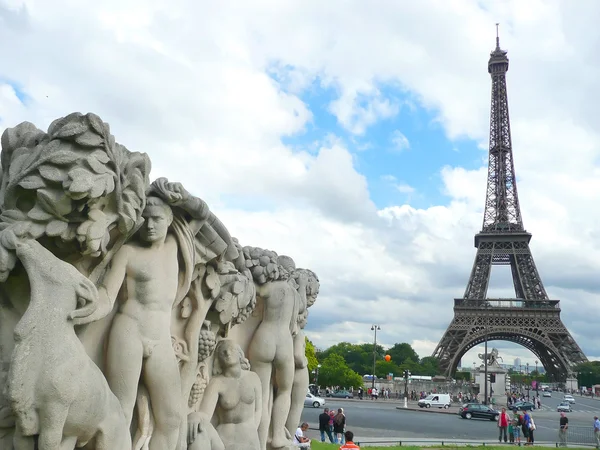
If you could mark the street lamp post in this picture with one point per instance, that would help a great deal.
(316, 374)
(374, 328)
(537, 383)
(474, 364)
(485, 359)
(527, 378)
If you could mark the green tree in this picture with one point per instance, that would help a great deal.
(383, 368)
(430, 365)
(311, 356)
(335, 372)
(358, 357)
(401, 352)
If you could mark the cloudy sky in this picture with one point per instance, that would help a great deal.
(350, 135)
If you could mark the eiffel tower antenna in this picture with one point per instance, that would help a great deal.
(530, 319)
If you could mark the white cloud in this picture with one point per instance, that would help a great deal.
(400, 141)
(193, 85)
(405, 188)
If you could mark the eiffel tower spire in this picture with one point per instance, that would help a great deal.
(530, 318)
(502, 210)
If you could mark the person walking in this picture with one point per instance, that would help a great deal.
(349, 445)
(562, 431)
(597, 431)
(324, 425)
(531, 427)
(503, 420)
(339, 426)
(517, 429)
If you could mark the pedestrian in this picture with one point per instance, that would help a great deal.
(503, 420)
(525, 426)
(517, 429)
(324, 425)
(562, 431)
(531, 427)
(299, 439)
(331, 417)
(349, 445)
(597, 431)
(339, 425)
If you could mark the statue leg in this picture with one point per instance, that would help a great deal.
(263, 370)
(299, 390)
(124, 362)
(162, 379)
(284, 376)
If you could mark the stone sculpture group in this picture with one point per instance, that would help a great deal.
(130, 318)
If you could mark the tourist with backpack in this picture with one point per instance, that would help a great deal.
(339, 425)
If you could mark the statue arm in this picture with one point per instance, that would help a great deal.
(210, 399)
(107, 291)
(176, 195)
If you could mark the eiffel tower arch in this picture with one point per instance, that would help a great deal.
(531, 318)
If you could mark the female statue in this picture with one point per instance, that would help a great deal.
(234, 396)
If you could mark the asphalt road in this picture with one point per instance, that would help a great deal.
(381, 419)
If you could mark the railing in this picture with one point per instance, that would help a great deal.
(497, 303)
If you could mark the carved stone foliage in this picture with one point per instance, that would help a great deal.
(96, 262)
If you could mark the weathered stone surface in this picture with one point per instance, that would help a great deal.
(117, 293)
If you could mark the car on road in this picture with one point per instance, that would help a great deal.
(547, 394)
(564, 407)
(522, 406)
(569, 398)
(341, 394)
(477, 411)
(435, 400)
(313, 400)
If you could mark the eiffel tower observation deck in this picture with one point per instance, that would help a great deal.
(531, 318)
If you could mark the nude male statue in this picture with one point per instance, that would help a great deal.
(139, 344)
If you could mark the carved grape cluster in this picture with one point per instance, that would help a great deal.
(206, 342)
(197, 390)
(262, 264)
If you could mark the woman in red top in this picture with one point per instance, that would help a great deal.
(503, 420)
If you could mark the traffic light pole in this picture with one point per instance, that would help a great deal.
(406, 375)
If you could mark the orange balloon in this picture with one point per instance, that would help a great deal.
(388, 358)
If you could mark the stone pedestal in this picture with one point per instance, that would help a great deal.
(498, 386)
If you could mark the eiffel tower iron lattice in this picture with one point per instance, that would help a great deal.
(530, 319)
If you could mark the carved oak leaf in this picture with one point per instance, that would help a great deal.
(54, 202)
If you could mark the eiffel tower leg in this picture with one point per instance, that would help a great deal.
(533, 289)
(480, 274)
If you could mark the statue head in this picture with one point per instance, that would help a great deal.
(228, 354)
(157, 219)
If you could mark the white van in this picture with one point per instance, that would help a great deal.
(435, 400)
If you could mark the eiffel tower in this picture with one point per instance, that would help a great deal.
(530, 319)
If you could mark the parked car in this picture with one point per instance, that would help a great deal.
(547, 394)
(564, 407)
(522, 406)
(569, 398)
(313, 400)
(341, 394)
(477, 411)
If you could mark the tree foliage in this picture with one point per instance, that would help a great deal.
(311, 355)
(359, 358)
(335, 372)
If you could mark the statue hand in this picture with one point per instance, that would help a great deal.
(172, 193)
(196, 424)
